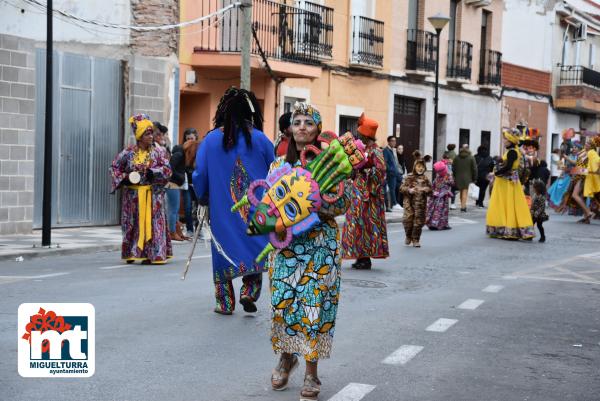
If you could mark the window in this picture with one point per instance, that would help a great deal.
(288, 103)
(486, 139)
(348, 123)
(555, 143)
(464, 137)
(592, 56)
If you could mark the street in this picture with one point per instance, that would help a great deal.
(463, 318)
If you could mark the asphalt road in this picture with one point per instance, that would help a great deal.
(520, 321)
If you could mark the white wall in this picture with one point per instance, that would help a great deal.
(557, 122)
(31, 23)
(527, 34)
(463, 110)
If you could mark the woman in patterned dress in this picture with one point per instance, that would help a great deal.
(305, 277)
(365, 232)
(142, 171)
(438, 204)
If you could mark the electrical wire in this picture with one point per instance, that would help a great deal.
(137, 27)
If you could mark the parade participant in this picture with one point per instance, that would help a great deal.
(557, 191)
(305, 276)
(529, 162)
(141, 172)
(538, 207)
(365, 232)
(415, 188)
(574, 200)
(508, 215)
(464, 169)
(285, 131)
(591, 186)
(231, 156)
(438, 203)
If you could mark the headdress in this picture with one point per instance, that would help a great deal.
(367, 127)
(305, 109)
(512, 136)
(530, 137)
(140, 124)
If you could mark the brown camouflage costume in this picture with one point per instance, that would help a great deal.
(415, 205)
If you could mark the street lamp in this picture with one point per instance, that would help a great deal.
(438, 21)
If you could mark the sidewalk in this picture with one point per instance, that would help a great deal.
(68, 241)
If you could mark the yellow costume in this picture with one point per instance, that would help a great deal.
(508, 215)
(592, 178)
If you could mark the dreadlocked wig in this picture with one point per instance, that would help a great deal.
(238, 109)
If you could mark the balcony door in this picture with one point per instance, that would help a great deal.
(407, 116)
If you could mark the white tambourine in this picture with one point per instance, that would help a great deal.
(135, 177)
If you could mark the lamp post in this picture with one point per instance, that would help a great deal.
(438, 21)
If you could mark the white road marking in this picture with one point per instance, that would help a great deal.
(202, 257)
(509, 277)
(402, 355)
(12, 279)
(353, 392)
(112, 267)
(493, 288)
(471, 304)
(441, 325)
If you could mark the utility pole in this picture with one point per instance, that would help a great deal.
(246, 44)
(47, 192)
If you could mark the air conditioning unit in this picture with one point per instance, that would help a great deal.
(580, 33)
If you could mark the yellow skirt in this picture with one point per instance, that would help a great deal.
(591, 186)
(508, 215)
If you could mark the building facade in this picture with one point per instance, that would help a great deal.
(550, 81)
(101, 76)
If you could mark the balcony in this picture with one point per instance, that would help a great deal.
(490, 69)
(367, 43)
(578, 90)
(460, 56)
(286, 34)
(420, 53)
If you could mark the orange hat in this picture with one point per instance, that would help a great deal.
(367, 127)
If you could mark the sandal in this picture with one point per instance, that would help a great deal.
(248, 304)
(311, 388)
(223, 312)
(282, 372)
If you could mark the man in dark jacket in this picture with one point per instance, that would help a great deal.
(392, 173)
(485, 165)
(464, 169)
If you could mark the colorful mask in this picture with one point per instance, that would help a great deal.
(292, 196)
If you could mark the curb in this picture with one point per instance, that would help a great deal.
(43, 252)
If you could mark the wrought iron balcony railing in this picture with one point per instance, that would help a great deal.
(420, 51)
(490, 68)
(302, 35)
(460, 55)
(578, 75)
(367, 42)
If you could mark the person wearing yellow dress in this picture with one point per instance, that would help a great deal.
(591, 184)
(508, 215)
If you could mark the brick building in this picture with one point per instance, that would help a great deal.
(102, 75)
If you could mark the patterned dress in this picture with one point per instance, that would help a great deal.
(438, 205)
(305, 286)
(365, 231)
(157, 248)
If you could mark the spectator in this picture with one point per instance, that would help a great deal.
(403, 172)
(190, 147)
(392, 173)
(449, 155)
(465, 173)
(285, 131)
(485, 165)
